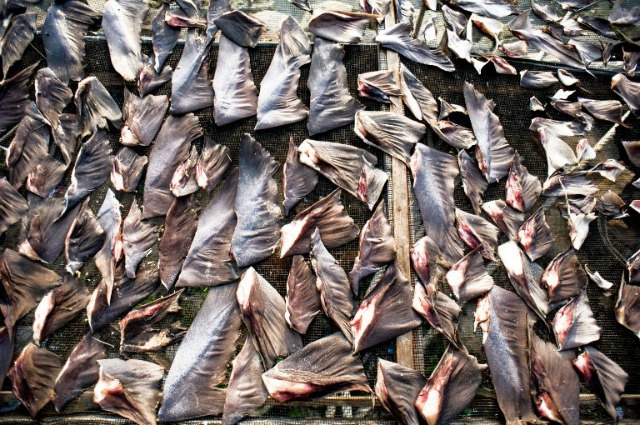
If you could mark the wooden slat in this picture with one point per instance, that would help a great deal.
(401, 232)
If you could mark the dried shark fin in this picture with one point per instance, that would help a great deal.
(129, 388)
(476, 232)
(138, 239)
(628, 90)
(80, 371)
(451, 387)
(149, 80)
(574, 324)
(278, 102)
(66, 25)
(45, 177)
(397, 388)
(213, 162)
(12, 205)
(322, 367)
(522, 189)
(16, 39)
(535, 235)
(537, 79)
(190, 85)
(493, 152)
(564, 277)
(52, 96)
(244, 30)
(127, 169)
(23, 284)
(379, 86)
(171, 148)
(14, 98)
(333, 284)
(505, 322)
(142, 118)
(137, 334)
(95, 106)
(122, 23)
(110, 219)
(377, 248)
(183, 181)
(328, 216)
(525, 278)
(603, 376)
(440, 311)
(245, 392)
(59, 307)
(256, 234)
(32, 377)
(126, 294)
(298, 180)
(606, 110)
(468, 278)
(427, 261)
(44, 231)
(506, 218)
(434, 173)
(627, 307)
(348, 167)
(399, 39)
(536, 39)
(263, 312)
(331, 103)
(555, 385)
(164, 38)
(201, 361)
(179, 231)
(235, 93)
(473, 182)
(208, 262)
(340, 26)
(28, 148)
(92, 168)
(385, 313)
(303, 299)
(390, 132)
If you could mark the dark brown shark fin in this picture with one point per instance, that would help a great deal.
(604, 377)
(180, 227)
(137, 332)
(329, 216)
(59, 307)
(23, 283)
(555, 385)
(263, 311)
(377, 247)
(129, 388)
(397, 388)
(322, 367)
(451, 387)
(332, 282)
(33, 377)
(574, 324)
(385, 313)
(246, 391)
(303, 298)
(564, 277)
(80, 372)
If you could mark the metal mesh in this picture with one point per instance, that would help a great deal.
(512, 108)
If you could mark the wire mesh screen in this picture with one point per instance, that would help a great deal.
(608, 240)
(512, 108)
(358, 59)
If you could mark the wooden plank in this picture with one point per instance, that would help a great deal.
(401, 229)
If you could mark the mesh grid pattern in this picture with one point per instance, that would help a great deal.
(512, 108)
